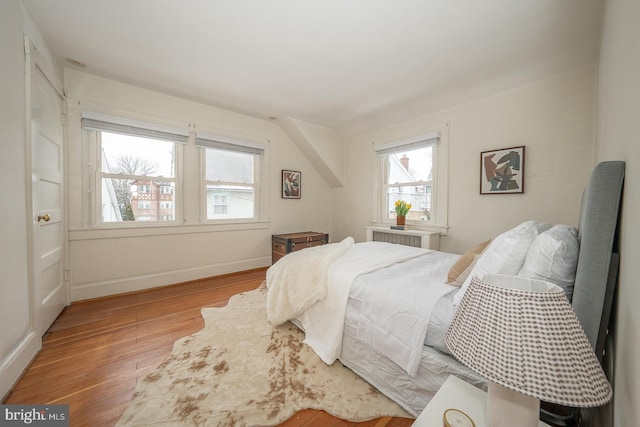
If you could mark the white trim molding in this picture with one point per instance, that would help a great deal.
(84, 291)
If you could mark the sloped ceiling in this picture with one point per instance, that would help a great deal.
(351, 65)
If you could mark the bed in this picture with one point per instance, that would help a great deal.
(383, 309)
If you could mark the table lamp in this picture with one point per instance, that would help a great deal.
(523, 336)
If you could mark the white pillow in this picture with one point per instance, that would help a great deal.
(505, 254)
(553, 256)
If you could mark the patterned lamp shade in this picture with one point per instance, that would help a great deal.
(523, 335)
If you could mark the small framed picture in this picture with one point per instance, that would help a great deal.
(291, 184)
(502, 171)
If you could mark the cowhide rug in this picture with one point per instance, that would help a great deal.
(240, 370)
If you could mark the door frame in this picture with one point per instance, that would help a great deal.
(35, 61)
(18, 359)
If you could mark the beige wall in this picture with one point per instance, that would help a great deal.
(324, 147)
(109, 261)
(18, 340)
(618, 138)
(553, 118)
(14, 288)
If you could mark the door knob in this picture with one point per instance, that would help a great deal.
(44, 217)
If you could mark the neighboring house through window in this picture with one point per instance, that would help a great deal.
(136, 170)
(231, 177)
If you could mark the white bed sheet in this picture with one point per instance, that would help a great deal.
(439, 321)
(392, 306)
(323, 322)
(412, 393)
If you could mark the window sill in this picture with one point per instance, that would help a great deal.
(415, 225)
(160, 230)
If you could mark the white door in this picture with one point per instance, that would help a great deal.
(48, 243)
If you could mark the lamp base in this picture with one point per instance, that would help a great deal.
(507, 408)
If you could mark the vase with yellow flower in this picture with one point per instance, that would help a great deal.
(402, 209)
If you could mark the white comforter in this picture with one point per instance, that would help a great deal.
(323, 319)
(391, 308)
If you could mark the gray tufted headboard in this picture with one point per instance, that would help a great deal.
(595, 282)
(598, 261)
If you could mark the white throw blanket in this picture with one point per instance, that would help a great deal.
(299, 280)
(323, 322)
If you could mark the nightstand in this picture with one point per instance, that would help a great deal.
(458, 394)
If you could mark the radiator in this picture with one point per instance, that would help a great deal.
(415, 238)
(401, 239)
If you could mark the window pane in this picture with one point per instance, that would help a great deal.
(132, 155)
(410, 166)
(137, 200)
(418, 196)
(225, 201)
(229, 166)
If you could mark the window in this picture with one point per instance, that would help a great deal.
(220, 202)
(136, 170)
(230, 178)
(407, 170)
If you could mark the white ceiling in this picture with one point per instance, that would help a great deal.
(351, 65)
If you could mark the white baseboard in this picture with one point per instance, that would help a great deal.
(17, 361)
(85, 291)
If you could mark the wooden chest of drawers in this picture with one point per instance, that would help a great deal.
(282, 244)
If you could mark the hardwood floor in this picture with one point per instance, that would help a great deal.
(96, 351)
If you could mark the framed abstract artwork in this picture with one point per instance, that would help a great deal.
(291, 184)
(502, 171)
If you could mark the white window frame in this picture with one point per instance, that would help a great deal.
(92, 125)
(439, 136)
(206, 141)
